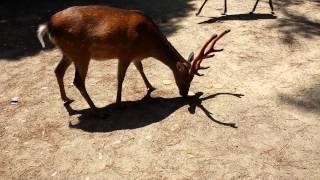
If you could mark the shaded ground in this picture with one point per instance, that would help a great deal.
(20, 19)
(270, 132)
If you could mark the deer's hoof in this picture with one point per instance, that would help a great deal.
(150, 90)
(67, 101)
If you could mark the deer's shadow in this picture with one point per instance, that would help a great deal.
(141, 113)
(242, 17)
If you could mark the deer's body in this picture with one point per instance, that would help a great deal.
(104, 36)
(102, 33)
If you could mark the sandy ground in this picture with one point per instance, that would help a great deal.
(272, 60)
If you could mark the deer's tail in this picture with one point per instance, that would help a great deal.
(42, 30)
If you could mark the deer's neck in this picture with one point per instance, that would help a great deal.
(167, 54)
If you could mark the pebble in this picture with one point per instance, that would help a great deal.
(174, 127)
(217, 86)
(148, 137)
(166, 82)
(243, 56)
(14, 100)
(53, 174)
(74, 122)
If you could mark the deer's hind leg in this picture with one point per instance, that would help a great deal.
(60, 72)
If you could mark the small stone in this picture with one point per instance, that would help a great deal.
(148, 137)
(14, 100)
(174, 127)
(217, 86)
(242, 56)
(53, 174)
(44, 88)
(74, 122)
(166, 82)
(208, 85)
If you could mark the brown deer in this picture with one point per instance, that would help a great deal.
(103, 32)
(225, 7)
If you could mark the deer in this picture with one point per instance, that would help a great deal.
(225, 7)
(101, 32)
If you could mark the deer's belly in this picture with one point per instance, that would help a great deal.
(104, 52)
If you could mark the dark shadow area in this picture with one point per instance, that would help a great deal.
(296, 23)
(19, 20)
(241, 17)
(304, 99)
(141, 113)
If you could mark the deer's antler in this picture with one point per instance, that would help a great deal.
(205, 52)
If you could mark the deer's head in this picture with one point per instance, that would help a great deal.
(187, 69)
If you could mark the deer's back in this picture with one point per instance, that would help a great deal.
(103, 32)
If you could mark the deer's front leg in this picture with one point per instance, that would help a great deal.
(150, 88)
(122, 69)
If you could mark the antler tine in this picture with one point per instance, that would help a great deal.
(200, 61)
(206, 67)
(211, 45)
(201, 53)
(198, 74)
(199, 56)
(211, 49)
(204, 53)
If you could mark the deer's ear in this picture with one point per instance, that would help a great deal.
(191, 56)
(180, 67)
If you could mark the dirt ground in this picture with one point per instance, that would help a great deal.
(272, 132)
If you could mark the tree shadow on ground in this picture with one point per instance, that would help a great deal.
(141, 113)
(300, 23)
(307, 99)
(241, 17)
(295, 23)
(19, 20)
